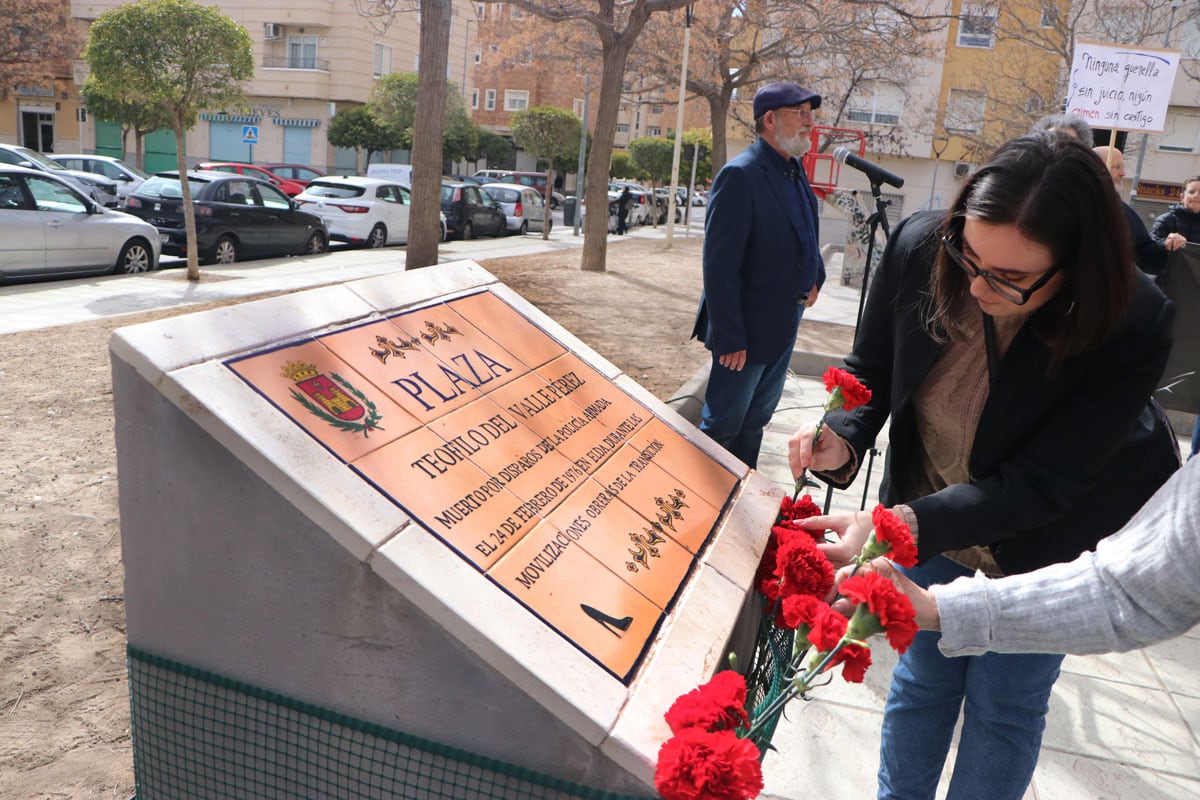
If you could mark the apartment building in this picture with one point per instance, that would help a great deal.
(311, 57)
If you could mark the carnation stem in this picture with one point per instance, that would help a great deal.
(801, 479)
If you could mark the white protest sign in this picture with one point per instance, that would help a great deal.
(1122, 87)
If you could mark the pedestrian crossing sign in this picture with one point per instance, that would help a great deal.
(249, 134)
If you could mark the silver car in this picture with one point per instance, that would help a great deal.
(523, 206)
(48, 227)
(126, 176)
(99, 188)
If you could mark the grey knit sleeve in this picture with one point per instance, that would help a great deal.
(1140, 586)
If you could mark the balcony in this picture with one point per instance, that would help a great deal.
(283, 62)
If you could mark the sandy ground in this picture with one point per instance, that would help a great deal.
(64, 705)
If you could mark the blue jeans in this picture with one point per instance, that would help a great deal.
(1006, 700)
(738, 405)
(1195, 438)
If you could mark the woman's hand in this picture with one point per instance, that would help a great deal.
(831, 452)
(924, 603)
(852, 530)
(1174, 241)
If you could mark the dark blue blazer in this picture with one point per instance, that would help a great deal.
(761, 257)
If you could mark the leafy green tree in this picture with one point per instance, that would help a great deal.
(493, 147)
(361, 130)
(653, 156)
(704, 166)
(131, 116)
(394, 101)
(622, 166)
(175, 56)
(549, 134)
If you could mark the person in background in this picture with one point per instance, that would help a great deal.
(1014, 348)
(1149, 254)
(1178, 226)
(1181, 222)
(1139, 587)
(762, 267)
(623, 204)
(1068, 124)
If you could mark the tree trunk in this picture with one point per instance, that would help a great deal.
(718, 107)
(139, 148)
(189, 210)
(423, 228)
(595, 224)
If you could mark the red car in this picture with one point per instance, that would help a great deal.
(289, 187)
(300, 173)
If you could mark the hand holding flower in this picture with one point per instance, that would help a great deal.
(923, 601)
(829, 452)
(845, 393)
(852, 530)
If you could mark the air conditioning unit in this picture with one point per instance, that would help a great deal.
(272, 30)
(962, 169)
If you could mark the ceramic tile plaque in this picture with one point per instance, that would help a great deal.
(540, 472)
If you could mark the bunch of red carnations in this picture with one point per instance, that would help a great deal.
(721, 729)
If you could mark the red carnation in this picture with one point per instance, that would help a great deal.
(887, 610)
(791, 510)
(827, 631)
(891, 530)
(816, 622)
(801, 568)
(719, 704)
(800, 609)
(855, 660)
(846, 392)
(698, 765)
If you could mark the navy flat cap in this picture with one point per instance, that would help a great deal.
(782, 95)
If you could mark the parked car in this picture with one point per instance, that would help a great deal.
(613, 198)
(99, 188)
(49, 227)
(299, 173)
(642, 210)
(126, 176)
(470, 213)
(523, 206)
(289, 187)
(236, 217)
(535, 179)
(663, 198)
(369, 212)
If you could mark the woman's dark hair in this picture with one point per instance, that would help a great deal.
(1057, 193)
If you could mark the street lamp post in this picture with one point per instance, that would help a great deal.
(1137, 170)
(466, 48)
(939, 146)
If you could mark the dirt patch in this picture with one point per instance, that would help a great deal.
(64, 705)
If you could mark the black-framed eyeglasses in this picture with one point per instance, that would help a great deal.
(1017, 295)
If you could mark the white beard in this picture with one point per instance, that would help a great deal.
(795, 145)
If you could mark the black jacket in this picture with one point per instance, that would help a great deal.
(1149, 253)
(1058, 461)
(1177, 219)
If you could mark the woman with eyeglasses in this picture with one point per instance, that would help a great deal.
(1014, 348)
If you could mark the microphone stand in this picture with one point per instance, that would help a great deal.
(876, 220)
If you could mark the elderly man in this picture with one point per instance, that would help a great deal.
(762, 268)
(1150, 256)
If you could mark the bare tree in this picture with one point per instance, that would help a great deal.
(37, 41)
(617, 25)
(834, 47)
(1025, 76)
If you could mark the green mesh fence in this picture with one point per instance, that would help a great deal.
(199, 736)
(767, 673)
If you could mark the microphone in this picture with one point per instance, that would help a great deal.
(877, 174)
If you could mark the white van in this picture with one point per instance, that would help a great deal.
(400, 173)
